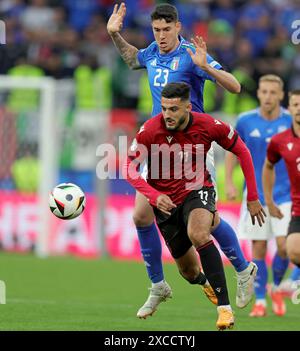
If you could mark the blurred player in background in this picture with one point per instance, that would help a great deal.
(186, 216)
(171, 58)
(290, 285)
(256, 128)
(286, 146)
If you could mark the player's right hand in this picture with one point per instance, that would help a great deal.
(231, 192)
(256, 211)
(115, 22)
(274, 211)
(165, 204)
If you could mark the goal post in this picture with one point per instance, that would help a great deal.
(47, 151)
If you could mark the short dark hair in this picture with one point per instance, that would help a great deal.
(294, 92)
(176, 90)
(165, 11)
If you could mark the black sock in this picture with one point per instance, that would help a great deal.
(213, 268)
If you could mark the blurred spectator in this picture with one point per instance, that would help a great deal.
(255, 24)
(58, 36)
(80, 12)
(225, 10)
(221, 43)
(38, 16)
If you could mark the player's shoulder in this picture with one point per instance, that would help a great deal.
(185, 44)
(286, 114)
(248, 116)
(282, 136)
(205, 119)
(151, 124)
(150, 49)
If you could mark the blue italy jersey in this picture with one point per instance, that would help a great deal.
(177, 66)
(256, 132)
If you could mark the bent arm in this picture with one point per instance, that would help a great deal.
(134, 178)
(245, 160)
(127, 51)
(225, 79)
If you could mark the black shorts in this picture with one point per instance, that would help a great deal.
(174, 228)
(294, 226)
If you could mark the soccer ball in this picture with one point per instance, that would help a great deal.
(67, 201)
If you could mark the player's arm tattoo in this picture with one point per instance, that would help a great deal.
(127, 51)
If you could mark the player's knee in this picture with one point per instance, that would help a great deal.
(281, 251)
(259, 249)
(199, 237)
(189, 273)
(142, 219)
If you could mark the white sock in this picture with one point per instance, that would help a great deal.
(261, 302)
(158, 284)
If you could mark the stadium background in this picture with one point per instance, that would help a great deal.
(67, 40)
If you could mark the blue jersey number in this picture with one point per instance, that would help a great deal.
(161, 72)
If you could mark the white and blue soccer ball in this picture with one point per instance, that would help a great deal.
(67, 201)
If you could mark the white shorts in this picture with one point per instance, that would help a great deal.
(273, 227)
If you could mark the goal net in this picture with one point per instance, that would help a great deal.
(28, 161)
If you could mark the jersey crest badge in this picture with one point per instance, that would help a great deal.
(175, 63)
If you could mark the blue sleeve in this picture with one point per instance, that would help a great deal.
(141, 56)
(213, 63)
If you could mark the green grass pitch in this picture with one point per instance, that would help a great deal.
(65, 293)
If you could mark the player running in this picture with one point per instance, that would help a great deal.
(286, 146)
(256, 128)
(171, 58)
(186, 214)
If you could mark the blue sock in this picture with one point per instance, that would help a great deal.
(295, 275)
(279, 267)
(261, 279)
(229, 244)
(151, 251)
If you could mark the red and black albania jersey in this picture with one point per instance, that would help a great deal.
(173, 178)
(286, 145)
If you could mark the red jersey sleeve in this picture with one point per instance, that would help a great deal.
(273, 154)
(223, 134)
(137, 154)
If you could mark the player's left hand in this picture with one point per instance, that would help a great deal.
(165, 204)
(256, 211)
(199, 57)
(274, 211)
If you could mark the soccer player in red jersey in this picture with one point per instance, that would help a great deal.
(181, 190)
(286, 146)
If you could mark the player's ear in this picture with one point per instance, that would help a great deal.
(178, 26)
(189, 107)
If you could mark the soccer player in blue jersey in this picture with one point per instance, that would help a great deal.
(256, 128)
(170, 58)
